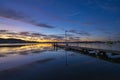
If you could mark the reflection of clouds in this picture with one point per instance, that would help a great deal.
(2, 55)
(24, 50)
(45, 60)
(41, 61)
(11, 53)
(24, 53)
(106, 56)
(38, 51)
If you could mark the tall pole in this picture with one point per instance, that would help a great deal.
(66, 44)
(66, 38)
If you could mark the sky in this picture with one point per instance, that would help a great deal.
(85, 20)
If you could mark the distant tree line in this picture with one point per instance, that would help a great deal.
(11, 40)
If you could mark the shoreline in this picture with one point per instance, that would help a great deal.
(15, 44)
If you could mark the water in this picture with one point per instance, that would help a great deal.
(46, 62)
(115, 46)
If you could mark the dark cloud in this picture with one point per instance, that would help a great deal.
(83, 33)
(68, 34)
(56, 36)
(4, 31)
(24, 33)
(38, 34)
(74, 38)
(59, 37)
(8, 32)
(15, 15)
(31, 34)
(12, 14)
(43, 25)
(12, 33)
(70, 37)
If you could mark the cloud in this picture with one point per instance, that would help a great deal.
(13, 33)
(74, 14)
(43, 25)
(59, 37)
(109, 34)
(15, 15)
(74, 38)
(4, 31)
(83, 33)
(89, 20)
(12, 14)
(31, 34)
(24, 33)
(38, 34)
(112, 5)
(56, 37)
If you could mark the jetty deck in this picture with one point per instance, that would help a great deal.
(87, 49)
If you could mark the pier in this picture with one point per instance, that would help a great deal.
(86, 49)
(103, 54)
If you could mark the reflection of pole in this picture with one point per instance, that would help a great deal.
(66, 44)
(66, 59)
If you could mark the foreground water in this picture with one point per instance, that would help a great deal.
(46, 62)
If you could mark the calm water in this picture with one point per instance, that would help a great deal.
(115, 46)
(45, 62)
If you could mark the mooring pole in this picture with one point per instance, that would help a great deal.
(66, 44)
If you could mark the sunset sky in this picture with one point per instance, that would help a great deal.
(83, 20)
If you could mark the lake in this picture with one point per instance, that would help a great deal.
(46, 62)
(114, 47)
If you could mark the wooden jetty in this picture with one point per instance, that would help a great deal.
(87, 49)
(103, 54)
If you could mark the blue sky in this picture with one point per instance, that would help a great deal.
(93, 19)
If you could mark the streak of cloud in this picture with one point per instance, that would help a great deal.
(12, 14)
(83, 33)
(24, 33)
(4, 31)
(74, 14)
(37, 34)
(108, 4)
(90, 21)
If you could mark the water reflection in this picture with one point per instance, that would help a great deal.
(2, 55)
(33, 49)
(111, 57)
(115, 46)
(47, 62)
(23, 54)
(25, 49)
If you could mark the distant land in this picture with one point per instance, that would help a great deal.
(12, 40)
